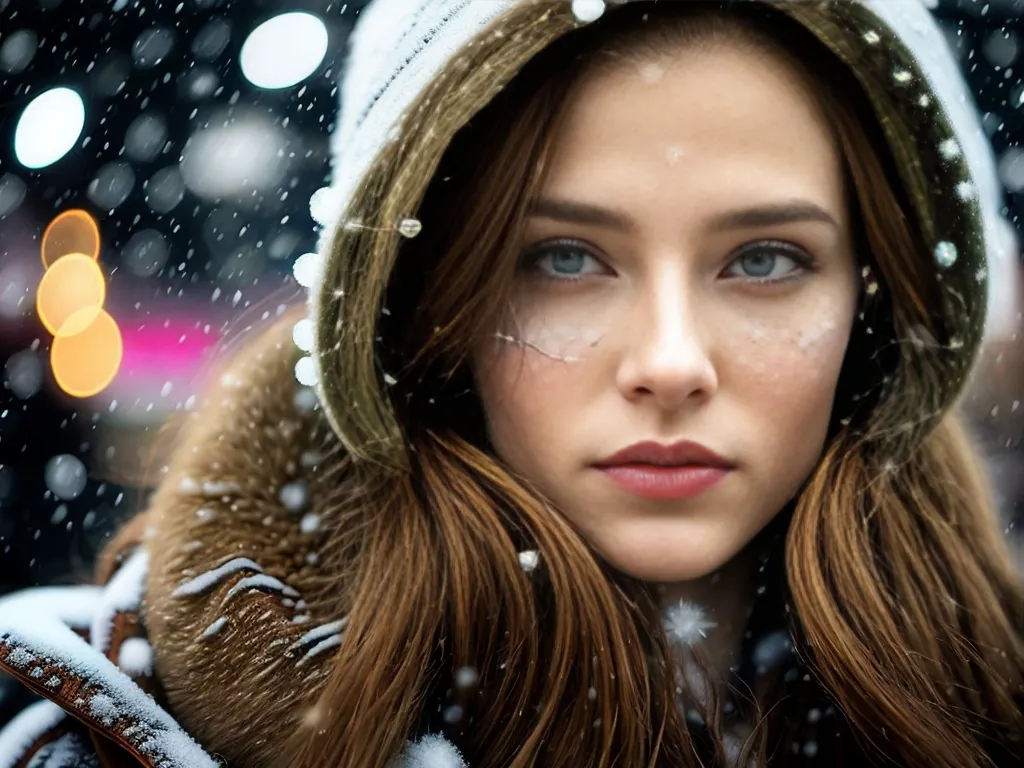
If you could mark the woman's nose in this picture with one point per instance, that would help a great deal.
(667, 360)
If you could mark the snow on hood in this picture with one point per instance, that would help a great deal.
(921, 32)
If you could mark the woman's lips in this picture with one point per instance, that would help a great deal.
(655, 481)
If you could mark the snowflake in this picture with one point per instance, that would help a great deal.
(965, 190)
(949, 149)
(431, 751)
(686, 623)
(587, 11)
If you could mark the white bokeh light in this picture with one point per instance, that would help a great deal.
(235, 157)
(49, 127)
(284, 50)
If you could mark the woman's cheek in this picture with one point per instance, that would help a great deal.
(525, 397)
(801, 354)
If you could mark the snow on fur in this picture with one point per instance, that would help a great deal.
(205, 581)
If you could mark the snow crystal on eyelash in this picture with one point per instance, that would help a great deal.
(294, 496)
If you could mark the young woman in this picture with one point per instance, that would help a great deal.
(627, 437)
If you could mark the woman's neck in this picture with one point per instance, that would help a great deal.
(724, 597)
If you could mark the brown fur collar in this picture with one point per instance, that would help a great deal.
(236, 589)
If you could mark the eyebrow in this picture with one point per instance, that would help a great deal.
(788, 212)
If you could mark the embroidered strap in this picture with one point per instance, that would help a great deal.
(83, 650)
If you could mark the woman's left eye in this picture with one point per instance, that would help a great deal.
(769, 263)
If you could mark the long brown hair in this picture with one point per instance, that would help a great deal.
(902, 599)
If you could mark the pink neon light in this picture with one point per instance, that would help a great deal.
(176, 351)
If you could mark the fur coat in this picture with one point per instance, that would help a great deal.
(213, 604)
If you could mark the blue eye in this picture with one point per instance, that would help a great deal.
(769, 263)
(563, 261)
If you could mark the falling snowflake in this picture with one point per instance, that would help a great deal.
(587, 11)
(771, 650)
(431, 752)
(410, 227)
(946, 254)
(529, 559)
(294, 496)
(687, 623)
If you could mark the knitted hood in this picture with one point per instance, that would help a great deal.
(400, 47)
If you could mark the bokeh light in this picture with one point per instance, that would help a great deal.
(237, 155)
(49, 127)
(284, 50)
(17, 50)
(85, 364)
(73, 231)
(71, 295)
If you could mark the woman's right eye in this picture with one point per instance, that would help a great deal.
(562, 261)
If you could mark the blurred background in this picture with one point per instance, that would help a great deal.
(175, 146)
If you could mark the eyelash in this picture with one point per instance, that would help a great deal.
(803, 260)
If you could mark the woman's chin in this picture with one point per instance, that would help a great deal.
(657, 565)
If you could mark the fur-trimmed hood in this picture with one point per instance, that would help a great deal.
(395, 119)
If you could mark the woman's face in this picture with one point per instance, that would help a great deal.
(688, 275)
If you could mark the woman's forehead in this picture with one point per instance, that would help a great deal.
(712, 129)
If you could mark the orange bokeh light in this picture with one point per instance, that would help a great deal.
(85, 363)
(73, 231)
(71, 295)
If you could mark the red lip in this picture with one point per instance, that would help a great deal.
(678, 454)
(663, 472)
